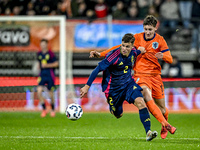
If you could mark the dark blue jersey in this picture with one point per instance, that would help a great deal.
(48, 57)
(117, 70)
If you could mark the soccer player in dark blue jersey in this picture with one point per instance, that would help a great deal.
(118, 84)
(48, 63)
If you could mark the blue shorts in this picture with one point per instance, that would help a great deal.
(116, 99)
(46, 80)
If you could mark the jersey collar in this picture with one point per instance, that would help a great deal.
(149, 39)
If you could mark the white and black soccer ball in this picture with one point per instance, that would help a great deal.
(74, 111)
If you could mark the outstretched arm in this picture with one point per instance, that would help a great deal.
(96, 54)
(92, 77)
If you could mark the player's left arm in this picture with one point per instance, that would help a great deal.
(165, 53)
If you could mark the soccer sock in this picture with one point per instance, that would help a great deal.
(43, 106)
(155, 111)
(145, 119)
(166, 113)
(52, 106)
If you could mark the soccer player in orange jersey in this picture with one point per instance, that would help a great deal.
(147, 71)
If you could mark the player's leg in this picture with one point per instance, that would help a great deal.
(115, 108)
(153, 108)
(159, 98)
(161, 104)
(145, 83)
(51, 88)
(42, 100)
(145, 118)
(134, 96)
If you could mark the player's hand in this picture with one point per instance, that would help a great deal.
(44, 65)
(159, 55)
(94, 54)
(84, 90)
(142, 49)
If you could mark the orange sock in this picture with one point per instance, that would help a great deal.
(155, 111)
(166, 113)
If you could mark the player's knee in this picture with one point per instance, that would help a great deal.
(139, 103)
(146, 92)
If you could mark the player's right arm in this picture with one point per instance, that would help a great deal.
(96, 54)
(103, 65)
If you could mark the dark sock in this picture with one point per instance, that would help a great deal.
(52, 106)
(145, 119)
(43, 106)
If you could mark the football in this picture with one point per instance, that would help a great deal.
(74, 111)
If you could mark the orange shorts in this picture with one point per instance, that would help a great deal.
(153, 82)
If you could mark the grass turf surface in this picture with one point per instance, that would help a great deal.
(98, 131)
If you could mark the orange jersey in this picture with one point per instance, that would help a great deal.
(147, 63)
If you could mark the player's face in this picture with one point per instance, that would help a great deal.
(126, 48)
(149, 31)
(43, 45)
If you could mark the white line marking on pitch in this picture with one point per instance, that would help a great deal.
(52, 137)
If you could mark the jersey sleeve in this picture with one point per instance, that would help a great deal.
(138, 52)
(103, 54)
(167, 57)
(52, 56)
(103, 65)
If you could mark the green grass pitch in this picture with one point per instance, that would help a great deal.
(95, 131)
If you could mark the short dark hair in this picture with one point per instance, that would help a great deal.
(44, 40)
(150, 20)
(128, 38)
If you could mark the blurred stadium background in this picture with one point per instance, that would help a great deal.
(19, 43)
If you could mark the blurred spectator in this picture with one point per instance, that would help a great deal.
(173, 70)
(152, 11)
(195, 43)
(5, 4)
(133, 12)
(157, 4)
(185, 7)
(90, 14)
(8, 12)
(66, 8)
(169, 11)
(118, 11)
(101, 9)
(16, 10)
(133, 3)
(79, 8)
(22, 4)
(143, 8)
(82, 8)
(30, 9)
